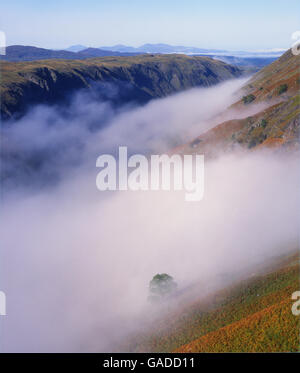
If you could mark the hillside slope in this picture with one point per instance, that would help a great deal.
(270, 81)
(138, 78)
(276, 87)
(271, 330)
(251, 315)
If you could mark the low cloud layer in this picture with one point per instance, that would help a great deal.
(78, 261)
(48, 142)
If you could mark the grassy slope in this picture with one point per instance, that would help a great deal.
(256, 316)
(265, 84)
(15, 72)
(278, 125)
(274, 329)
(275, 126)
(253, 315)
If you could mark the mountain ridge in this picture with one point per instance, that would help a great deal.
(21, 53)
(250, 60)
(138, 78)
(167, 48)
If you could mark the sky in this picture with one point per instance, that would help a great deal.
(230, 24)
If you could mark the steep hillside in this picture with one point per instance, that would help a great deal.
(276, 86)
(279, 80)
(276, 126)
(251, 315)
(270, 330)
(138, 78)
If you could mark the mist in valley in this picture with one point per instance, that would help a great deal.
(76, 262)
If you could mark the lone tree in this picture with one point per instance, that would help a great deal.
(161, 286)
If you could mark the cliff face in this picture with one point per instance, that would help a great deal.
(138, 78)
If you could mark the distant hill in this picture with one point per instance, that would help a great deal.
(19, 53)
(160, 48)
(250, 61)
(96, 52)
(120, 48)
(166, 48)
(76, 48)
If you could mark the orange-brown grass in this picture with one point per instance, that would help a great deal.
(285, 70)
(281, 129)
(259, 306)
(274, 329)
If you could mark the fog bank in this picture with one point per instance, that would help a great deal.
(76, 263)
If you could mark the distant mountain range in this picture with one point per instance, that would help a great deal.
(160, 48)
(18, 53)
(76, 48)
(147, 48)
(166, 48)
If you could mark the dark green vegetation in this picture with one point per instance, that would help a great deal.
(251, 315)
(138, 78)
(161, 286)
(283, 88)
(263, 123)
(248, 99)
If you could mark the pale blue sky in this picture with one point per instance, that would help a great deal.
(226, 24)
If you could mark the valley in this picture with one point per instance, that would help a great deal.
(235, 255)
(253, 314)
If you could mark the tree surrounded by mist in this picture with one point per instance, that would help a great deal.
(161, 286)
